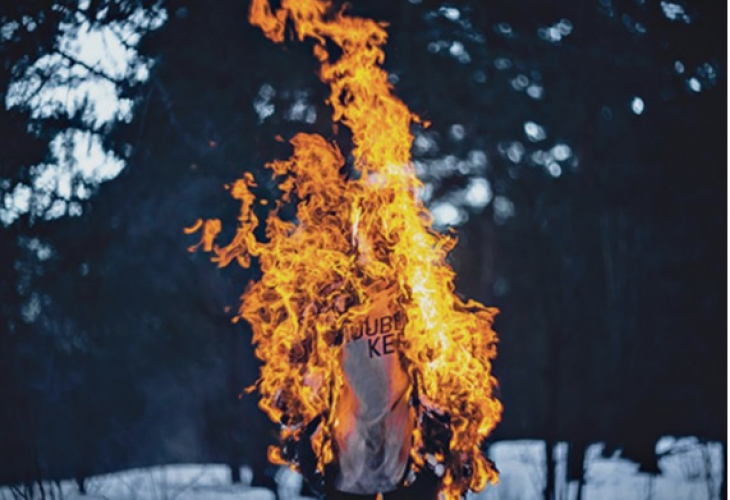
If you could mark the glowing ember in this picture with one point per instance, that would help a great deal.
(350, 237)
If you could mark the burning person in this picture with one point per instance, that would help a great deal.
(379, 374)
(374, 418)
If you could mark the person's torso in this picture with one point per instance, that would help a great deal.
(373, 425)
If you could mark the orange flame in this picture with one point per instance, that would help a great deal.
(349, 236)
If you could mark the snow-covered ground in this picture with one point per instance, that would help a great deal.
(690, 471)
(686, 466)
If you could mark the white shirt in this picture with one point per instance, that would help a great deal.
(372, 427)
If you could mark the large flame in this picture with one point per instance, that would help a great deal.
(350, 236)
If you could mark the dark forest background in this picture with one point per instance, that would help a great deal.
(578, 146)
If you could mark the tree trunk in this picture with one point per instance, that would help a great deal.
(723, 476)
(709, 480)
(576, 465)
(235, 469)
(650, 488)
(81, 483)
(234, 416)
(549, 491)
(581, 484)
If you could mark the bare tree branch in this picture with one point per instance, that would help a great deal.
(89, 68)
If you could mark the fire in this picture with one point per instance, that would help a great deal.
(350, 236)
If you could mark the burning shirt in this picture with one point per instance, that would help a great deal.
(373, 426)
